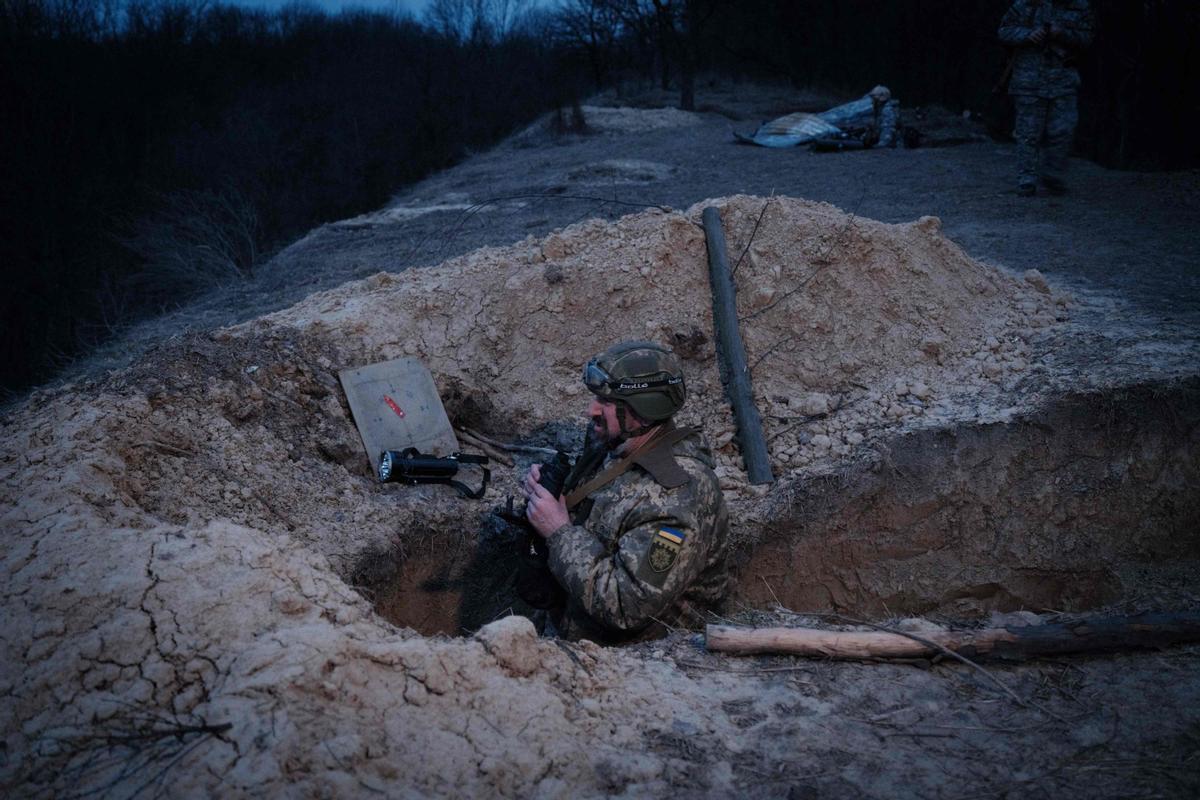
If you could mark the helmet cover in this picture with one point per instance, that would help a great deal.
(645, 376)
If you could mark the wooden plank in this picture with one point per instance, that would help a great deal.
(1089, 634)
(396, 405)
(733, 353)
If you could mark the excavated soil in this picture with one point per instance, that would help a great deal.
(207, 593)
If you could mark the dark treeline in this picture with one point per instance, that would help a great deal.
(1141, 85)
(153, 150)
(156, 148)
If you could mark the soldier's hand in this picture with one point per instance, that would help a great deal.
(546, 513)
(1038, 36)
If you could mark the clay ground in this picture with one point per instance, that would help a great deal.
(173, 628)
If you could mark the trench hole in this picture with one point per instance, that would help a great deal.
(455, 576)
(1088, 502)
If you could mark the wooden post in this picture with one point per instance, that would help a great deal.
(1081, 635)
(732, 352)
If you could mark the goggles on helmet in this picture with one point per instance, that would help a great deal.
(602, 384)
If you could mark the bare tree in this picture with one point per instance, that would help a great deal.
(593, 26)
(478, 22)
(669, 29)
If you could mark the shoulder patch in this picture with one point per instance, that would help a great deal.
(664, 548)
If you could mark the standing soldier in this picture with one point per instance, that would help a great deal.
(638, 541)
(1047, 36)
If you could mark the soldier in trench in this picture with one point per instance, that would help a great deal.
(638, 540)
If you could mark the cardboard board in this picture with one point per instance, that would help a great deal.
(396, 405)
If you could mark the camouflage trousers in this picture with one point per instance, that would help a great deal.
(1044, 130)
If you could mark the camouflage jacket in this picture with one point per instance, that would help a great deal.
(644, 554)
(1047, 69)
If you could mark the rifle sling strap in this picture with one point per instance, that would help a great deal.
(654, 456)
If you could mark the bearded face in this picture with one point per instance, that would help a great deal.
(605, 425)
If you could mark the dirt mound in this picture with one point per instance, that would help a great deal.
(855, 330)
(893, 323)
(627, 120)
(608, 120)
(620, 170)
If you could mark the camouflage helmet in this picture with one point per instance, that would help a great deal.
(645, 376)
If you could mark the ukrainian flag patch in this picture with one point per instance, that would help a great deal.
(665, 548)
(672, 535)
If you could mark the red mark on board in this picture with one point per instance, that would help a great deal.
(392, 403)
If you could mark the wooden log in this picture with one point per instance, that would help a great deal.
(488, 450)
(1080, 635)
(733, 353)
(512, 448)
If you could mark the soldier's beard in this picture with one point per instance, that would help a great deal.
(601, 432)
(608, 438)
